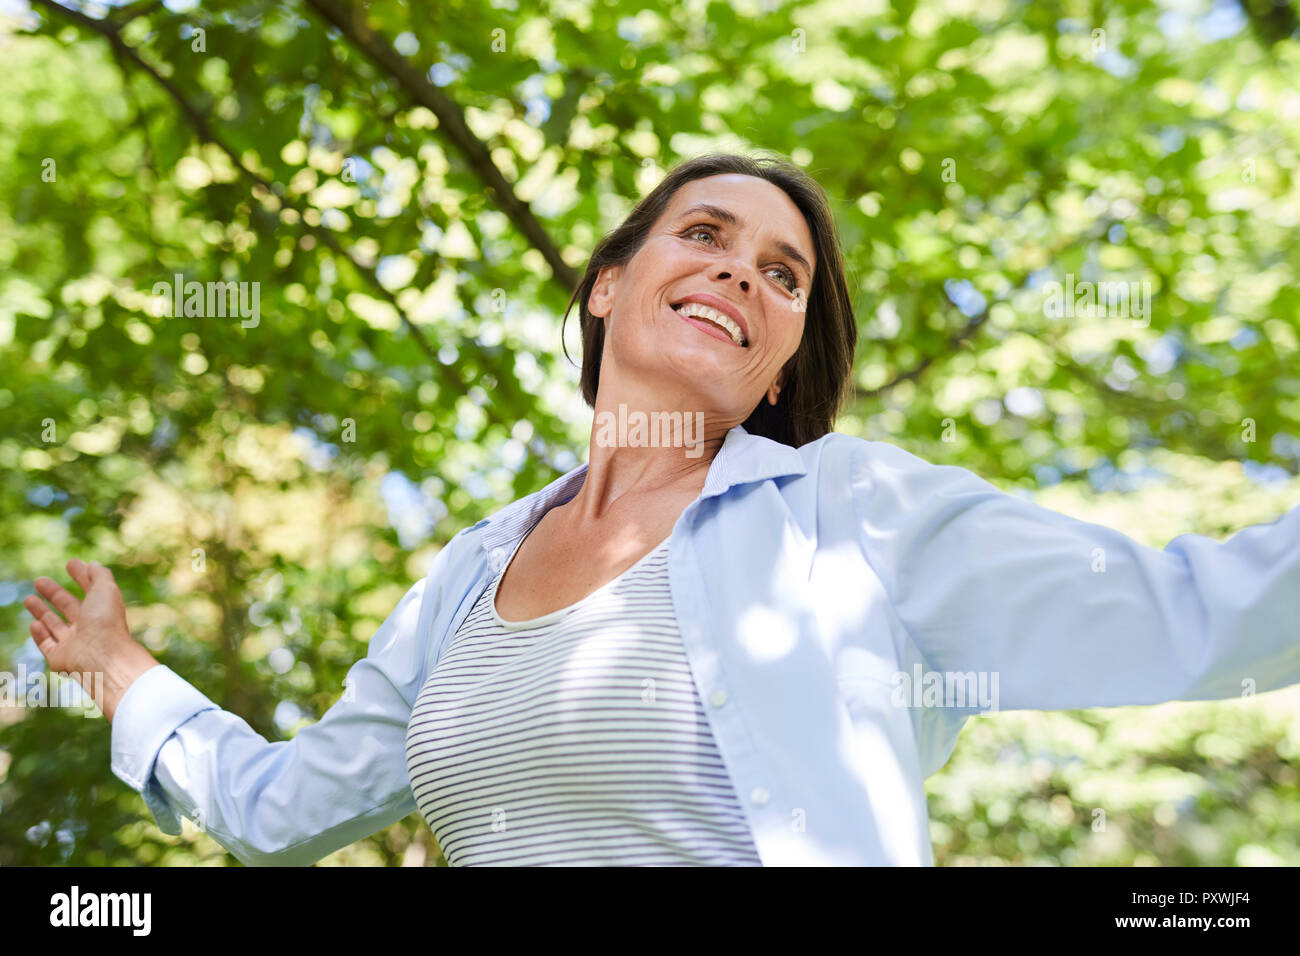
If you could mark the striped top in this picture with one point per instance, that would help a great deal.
(574, 739)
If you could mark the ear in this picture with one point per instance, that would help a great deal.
(774, 390)
(603, 291)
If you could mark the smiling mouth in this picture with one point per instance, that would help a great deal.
(704, 313)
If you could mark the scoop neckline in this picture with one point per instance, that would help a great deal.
(563, 612)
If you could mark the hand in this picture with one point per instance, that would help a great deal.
(92, 635)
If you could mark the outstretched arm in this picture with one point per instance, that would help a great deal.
(286, 802)
(1068, 614)
(282, 803)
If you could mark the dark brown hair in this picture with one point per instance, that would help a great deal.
(819, 376)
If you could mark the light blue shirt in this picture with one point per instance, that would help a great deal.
(845, 607)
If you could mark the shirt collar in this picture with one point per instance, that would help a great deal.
(743, 458)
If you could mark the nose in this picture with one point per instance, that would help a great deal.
(726, 274)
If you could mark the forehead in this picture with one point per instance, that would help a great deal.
(759, 205)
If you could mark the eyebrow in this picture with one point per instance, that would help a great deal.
(731, 219)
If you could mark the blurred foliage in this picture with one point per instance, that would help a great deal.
(235, 476)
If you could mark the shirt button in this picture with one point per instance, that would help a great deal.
(718, 698)
(759, 796)
(498, 558)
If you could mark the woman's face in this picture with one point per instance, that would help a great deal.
(742, 245)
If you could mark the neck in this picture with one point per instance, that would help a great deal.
(645, 441)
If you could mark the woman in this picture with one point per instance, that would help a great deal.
(749, 649)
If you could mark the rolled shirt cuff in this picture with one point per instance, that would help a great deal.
(153, 707)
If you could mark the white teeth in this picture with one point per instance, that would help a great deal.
(720, 319)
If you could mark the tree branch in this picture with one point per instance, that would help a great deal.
(974, 325)
(207, 134)
(916, 371)
(451, 121)
(133, 11)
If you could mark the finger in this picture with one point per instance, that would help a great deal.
(80, 573)
(56, 625)
(100, 574)
(45, 641)
(35, 606)
(53, 592)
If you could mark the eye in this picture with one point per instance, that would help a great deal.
(792, 281)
